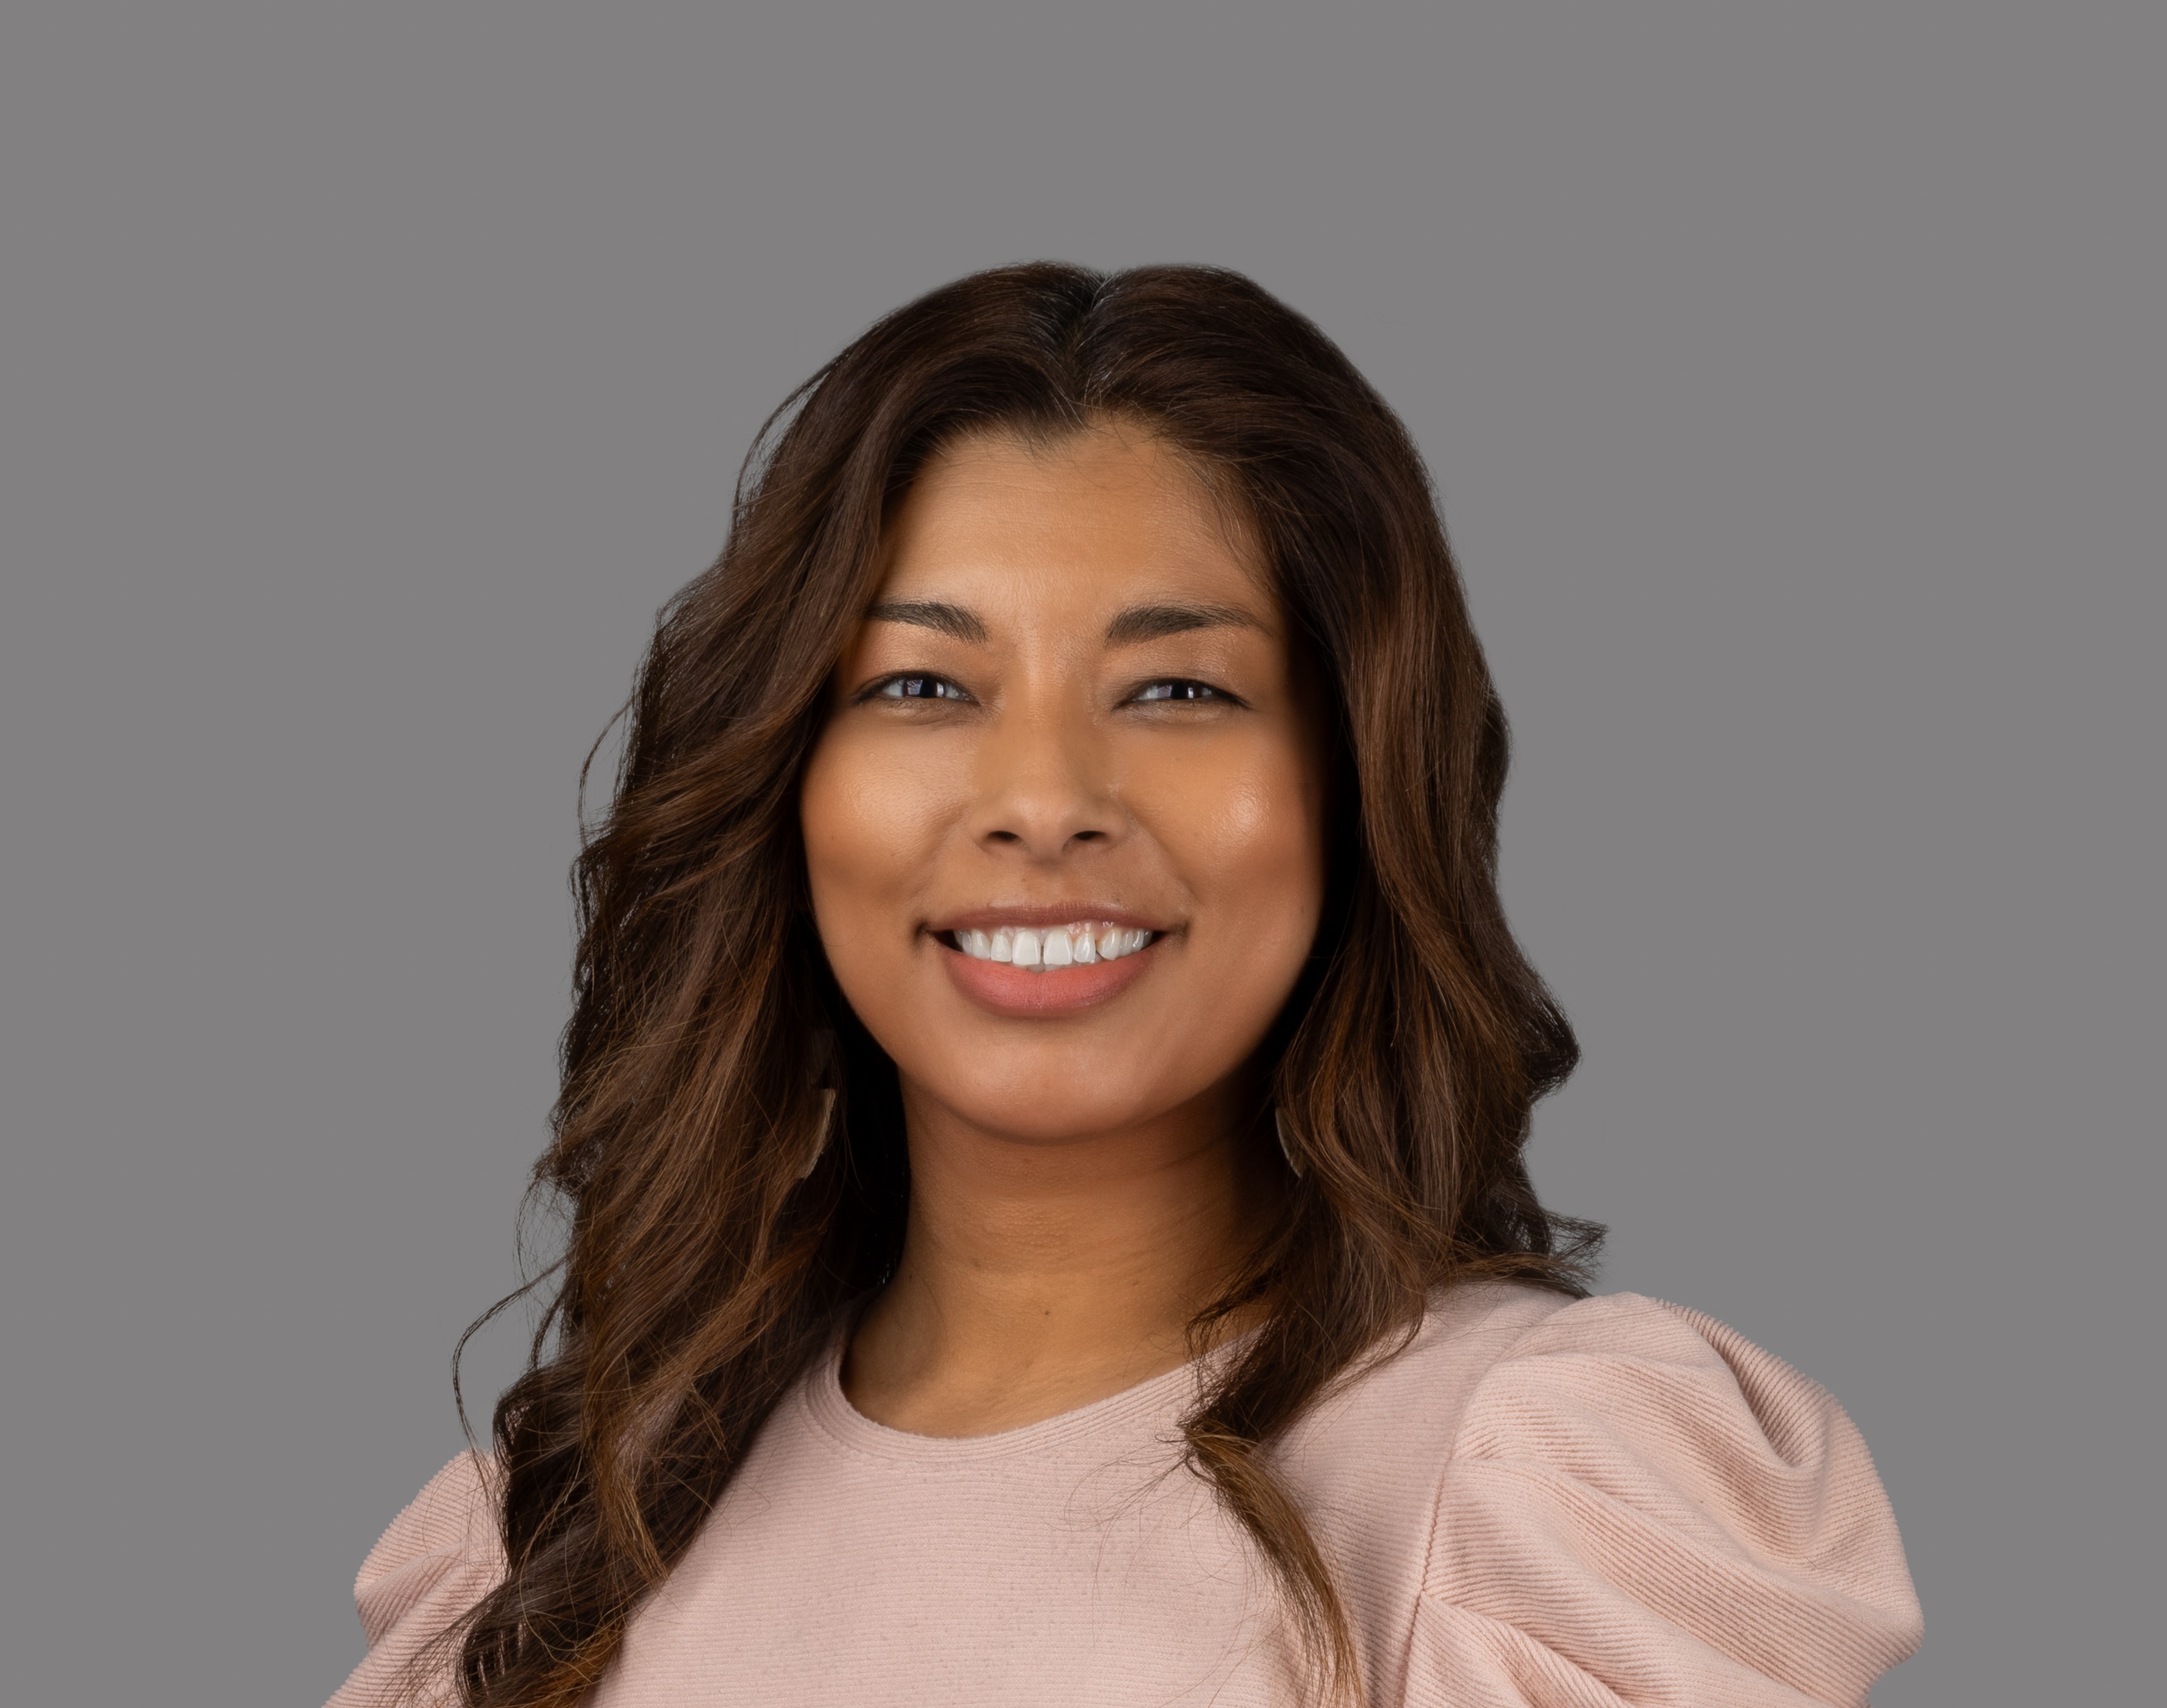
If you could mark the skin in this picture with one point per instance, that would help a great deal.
(1083, 1176)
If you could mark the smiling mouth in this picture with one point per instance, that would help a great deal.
(1081, 944)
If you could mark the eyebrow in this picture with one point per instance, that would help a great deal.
(951, 620)
(1148, 622)
(1137, 624)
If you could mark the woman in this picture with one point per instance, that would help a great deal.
(1042, 1114)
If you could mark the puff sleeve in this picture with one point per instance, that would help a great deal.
(440, 1556)
(1644, 1507)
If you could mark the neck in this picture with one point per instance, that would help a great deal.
(1039, 1277)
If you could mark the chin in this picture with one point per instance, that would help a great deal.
(1062, 1081)
(1060, 1113)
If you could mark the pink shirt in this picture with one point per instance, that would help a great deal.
(1543, 1502)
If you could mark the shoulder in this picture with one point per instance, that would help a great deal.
(439, 1557)
(1382, 1434)
(1639, 1503)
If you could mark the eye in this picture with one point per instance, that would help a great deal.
(1179, 687)
(917, 687)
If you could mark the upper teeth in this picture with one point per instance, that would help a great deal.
(1057, 945)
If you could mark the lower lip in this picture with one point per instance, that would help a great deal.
(1007, 989)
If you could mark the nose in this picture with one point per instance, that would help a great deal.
(1043, 789)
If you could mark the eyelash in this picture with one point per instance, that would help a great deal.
(1203, 692)
(897, 689)
(894, 687)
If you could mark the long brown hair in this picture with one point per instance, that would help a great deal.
(701, 1274)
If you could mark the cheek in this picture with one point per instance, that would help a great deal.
(1250, 833)
(860, 858)
(869, 830)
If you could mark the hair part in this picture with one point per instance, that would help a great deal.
(701, 1274)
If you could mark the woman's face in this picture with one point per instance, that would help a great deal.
(1064, 826)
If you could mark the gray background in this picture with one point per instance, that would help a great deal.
(371, 372)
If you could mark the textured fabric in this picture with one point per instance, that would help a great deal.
(1539, 1504)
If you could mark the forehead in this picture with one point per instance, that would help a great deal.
(1096, 519)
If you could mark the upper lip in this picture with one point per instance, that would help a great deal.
(1044, 914)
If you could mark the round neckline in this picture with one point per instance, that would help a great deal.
(831, 1409)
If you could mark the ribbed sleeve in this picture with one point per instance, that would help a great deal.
(1644, 1507)
(440, 1556)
